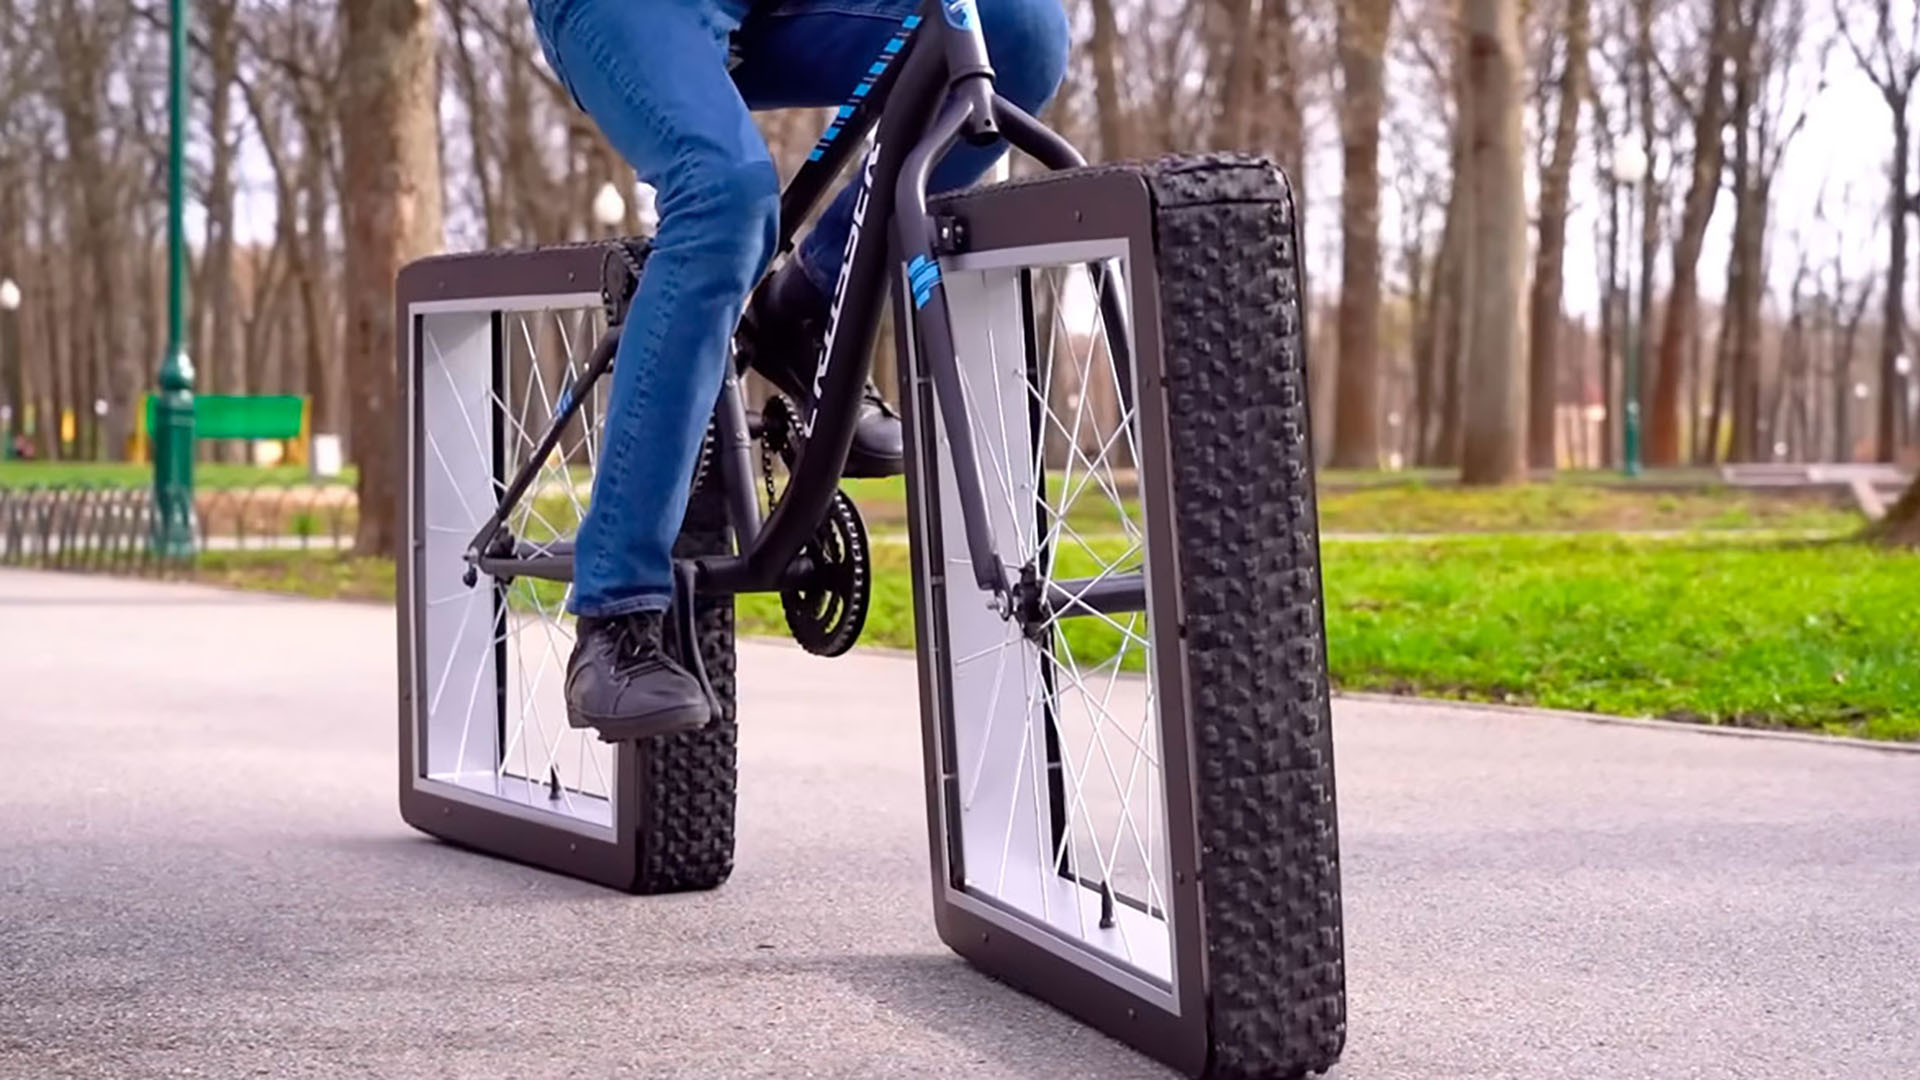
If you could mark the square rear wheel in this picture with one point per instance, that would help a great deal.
(495, 346)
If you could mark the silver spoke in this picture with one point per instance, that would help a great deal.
(513, 742)
(1055, 429)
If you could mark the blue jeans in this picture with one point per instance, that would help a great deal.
(653, 74)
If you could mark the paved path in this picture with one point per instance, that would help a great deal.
(202, 870)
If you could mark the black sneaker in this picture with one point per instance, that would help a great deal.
(785, 327)
(621, 681)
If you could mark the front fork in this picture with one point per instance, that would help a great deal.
(975, 112)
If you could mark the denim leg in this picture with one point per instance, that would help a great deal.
(813, 53)
(653, 76)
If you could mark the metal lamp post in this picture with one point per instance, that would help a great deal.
(173, 531)
(1629, 169)
(13, 413)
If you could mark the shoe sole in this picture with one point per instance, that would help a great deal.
(647, 726)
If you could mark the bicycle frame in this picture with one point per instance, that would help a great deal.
(931, 87)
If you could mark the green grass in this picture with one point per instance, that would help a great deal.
(1815, 637)
(18, 474)
(1808, 636)
(1576, 507)
(323, 575)
(1393, 505)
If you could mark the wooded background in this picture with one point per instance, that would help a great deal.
(1442, 148)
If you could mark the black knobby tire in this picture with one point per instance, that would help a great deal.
(688, 782)
(1228, 248)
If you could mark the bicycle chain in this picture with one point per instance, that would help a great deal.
(773, 426)
(701, 463)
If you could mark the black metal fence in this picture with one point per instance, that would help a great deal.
(110, 529)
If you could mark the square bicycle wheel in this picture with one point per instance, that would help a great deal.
(495, 346)
(1129, 769)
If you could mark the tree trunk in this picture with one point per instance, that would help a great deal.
(1426, 353)
(1284, 97)
(1664, 424)
(392, 213)
(1106, 82)
(1707, 446)
(1543, 381)
(1696, 345)
(103, 368)
(1786, 395)
(53, 388)
(1238, 42)
(467, 77)
(1651, 197)
(13, 362)
(1744, 376)
(289, 251)
(1453, 323)
(1893, 324)
(1843, 380)
(322, 360)
(1611, 333)
(1739, 350)
(1493, 450)
(1901, 526)
(217, 283)
(527, 188)
(1363, 38)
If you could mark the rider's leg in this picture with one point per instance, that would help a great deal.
(654, 77)
(812, 53)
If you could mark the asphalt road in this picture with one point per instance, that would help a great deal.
(202, 871)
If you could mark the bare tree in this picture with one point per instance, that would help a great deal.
(392, 210)
(1104, 48)
(215, 297)
(1708, 109)
(1543, 382)
(1363, 42)
(1764, 124)
(1847, 297)
(84, 43)
(1890, 57)
(1493, 449)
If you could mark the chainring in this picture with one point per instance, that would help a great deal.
(827, 612)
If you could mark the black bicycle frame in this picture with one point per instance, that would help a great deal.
(931, 88)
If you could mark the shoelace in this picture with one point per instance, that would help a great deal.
(636, 652)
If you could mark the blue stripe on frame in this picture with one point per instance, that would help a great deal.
(879, 68)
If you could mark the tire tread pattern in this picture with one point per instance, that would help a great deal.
(1227, 245)
(688, 782)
